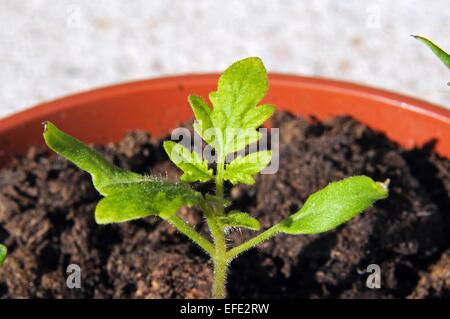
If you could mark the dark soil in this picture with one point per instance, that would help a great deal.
(46, 220)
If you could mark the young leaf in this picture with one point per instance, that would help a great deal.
(128, 195)
(239, 90)
(140, 199)
(335, 204)
(238, 219)
(3, 252)
(189, 162)
(256, 116)
(242, 169)
(240, 138)
(202, 113)
(441, 54)
(103, 173)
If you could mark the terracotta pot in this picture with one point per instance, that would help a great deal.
(158, 105)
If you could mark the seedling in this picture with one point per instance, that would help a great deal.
(3, 252)
(129, 195)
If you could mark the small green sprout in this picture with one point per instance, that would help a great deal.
(235, 110)
(3, 253)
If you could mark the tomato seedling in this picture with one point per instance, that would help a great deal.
(128, 195)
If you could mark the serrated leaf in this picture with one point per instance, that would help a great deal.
(237, 139)
(240, 88)
(202, 113)
(239, 219)
(128, 195)
(440, 53)
(334, 204)
(103, 172)
(242, 169)
(137, 200)
(256, 116)
(193, 167)
(3, 253)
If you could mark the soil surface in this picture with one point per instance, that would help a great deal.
(47, 222)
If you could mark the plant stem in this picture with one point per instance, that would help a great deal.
(219, 180)
(252, 242)
(220, 255)
(220, 276)
(190, 232)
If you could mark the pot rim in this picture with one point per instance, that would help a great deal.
(324, 84)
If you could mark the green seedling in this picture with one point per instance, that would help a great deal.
(3, 252)
(129, 195)
(441, 54)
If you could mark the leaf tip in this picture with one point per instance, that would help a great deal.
(257, 62)
(421, 39)
(47, 126)
(385, 187)
(192, 98)
(50, 130)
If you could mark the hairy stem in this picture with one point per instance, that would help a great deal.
(219, 257)
(220, 277)
(233, 253)
(220, 253)
(190, 232)
(219, 180)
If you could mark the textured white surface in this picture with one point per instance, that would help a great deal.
(53, 48)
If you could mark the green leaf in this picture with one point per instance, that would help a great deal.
(335, 204)
(240, 88)
(128, 195)
(3, 253)
(202, 113)
(441, 54)
(189, 162)
(242, 169)
(237, 139)
(103, 173)
(140, 199)
(256, 116)
(239, 219)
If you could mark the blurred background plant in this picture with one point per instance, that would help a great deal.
(53, 48)
(439, 52)
(3, 252)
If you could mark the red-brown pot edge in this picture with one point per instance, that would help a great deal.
(158, 105)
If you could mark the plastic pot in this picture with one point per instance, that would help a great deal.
(158, 105)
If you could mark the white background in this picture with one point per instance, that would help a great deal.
(53, 48)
